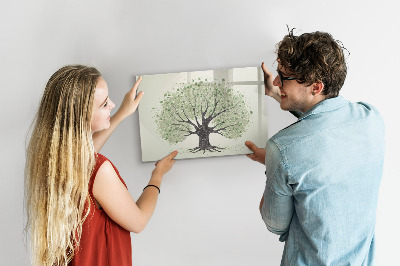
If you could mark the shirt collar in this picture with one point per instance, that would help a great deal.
(325, 106)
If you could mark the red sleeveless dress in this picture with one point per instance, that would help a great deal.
(103, 241)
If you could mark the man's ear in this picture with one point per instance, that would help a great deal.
(317, 88)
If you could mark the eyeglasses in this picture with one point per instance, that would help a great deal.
(282, 78)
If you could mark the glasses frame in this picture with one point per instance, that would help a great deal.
(282, 78)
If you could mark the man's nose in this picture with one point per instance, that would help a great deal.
(277, 81)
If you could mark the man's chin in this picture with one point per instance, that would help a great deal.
(285, 108)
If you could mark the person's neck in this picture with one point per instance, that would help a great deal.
(316, 100)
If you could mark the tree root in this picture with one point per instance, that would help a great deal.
(208, 148)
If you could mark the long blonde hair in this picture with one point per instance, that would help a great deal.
(59, 161)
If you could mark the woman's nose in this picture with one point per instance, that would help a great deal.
(112, 105)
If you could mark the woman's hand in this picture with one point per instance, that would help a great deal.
(165, 164)
(270, 89)
(131, 101)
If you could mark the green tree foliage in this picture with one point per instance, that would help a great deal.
(202, 108)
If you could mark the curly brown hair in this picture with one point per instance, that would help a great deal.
(314, 57)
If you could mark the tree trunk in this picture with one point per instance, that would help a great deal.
(204, 141)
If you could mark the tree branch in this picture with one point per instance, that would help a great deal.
(214, 116)
(194, 109)
(206, 109)
(215, 104)
(182, 120)
(195, 117)
(222, 129)
(189, 133)
(177, 113)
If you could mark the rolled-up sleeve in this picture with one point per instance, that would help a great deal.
(277, 209)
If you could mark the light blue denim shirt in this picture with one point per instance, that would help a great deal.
(323, 176)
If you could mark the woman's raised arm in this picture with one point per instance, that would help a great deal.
(128, 107)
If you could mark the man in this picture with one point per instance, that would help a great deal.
(323, 171)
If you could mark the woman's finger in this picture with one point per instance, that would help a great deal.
(136, 85)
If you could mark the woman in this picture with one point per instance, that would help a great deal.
(78, 207)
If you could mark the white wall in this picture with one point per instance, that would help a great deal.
(208, 208)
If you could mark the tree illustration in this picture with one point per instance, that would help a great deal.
(202, 108)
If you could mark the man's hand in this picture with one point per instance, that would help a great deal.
(270, 89)
(259, 153)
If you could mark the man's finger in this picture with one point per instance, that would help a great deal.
(251, 156)
(251, 146)
(265, 69)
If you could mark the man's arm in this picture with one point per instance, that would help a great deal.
(128, 107)
(276, 211)
(276, 206)
(274, 91)
(270, 89)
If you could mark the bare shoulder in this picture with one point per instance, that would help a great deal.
(106, 170)
(106, 181)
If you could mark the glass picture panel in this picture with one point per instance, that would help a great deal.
(202, 113)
